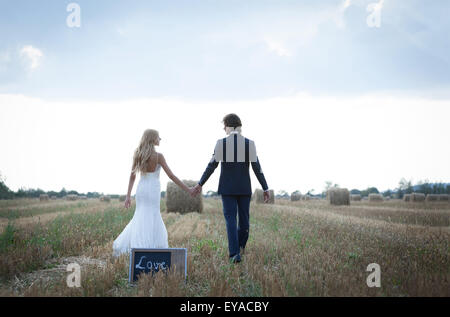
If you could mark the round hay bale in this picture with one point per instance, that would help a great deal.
(432, 198)
(355, 197)
(43, 197)
(105, 199)
(258, 196)
(71, 197)
(338, 196)
(296, 196)
(177, 200)
(271, 197)
(444, 197)
(306, 197)
(122, 198)
(417, 197)
(376, 198)
(407, 197)
(83, 197)
(53, 197)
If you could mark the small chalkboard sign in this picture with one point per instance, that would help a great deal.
(155, 260)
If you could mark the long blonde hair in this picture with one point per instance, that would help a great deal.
(145, 149)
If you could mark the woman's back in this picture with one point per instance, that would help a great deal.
(148, 191)
(152, 163)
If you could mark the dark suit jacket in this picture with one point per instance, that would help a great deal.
(234, 175)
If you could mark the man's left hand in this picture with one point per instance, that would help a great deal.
(266, 197)
(196, 190)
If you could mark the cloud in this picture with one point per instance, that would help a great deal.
(281, 31)
(296, 30)
(346, 4)
(33, 55)
(278, 47)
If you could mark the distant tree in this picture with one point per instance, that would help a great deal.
(93, 195)
(441, 188)
(20, 193)
(368, 191)
(406, 186)
(424, 188)
(328, 185)
(33, 193)
(28, 193)
(211, 193)
(282, 194)
(62, 193)
(163, 194)
(52, 193)
(355, 192)
(373, 190)
(5, 192)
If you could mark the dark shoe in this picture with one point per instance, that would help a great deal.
(235, 259)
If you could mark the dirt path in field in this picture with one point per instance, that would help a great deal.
(188, 225)
(179, 226)
(19, 286)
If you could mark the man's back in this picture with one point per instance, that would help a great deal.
(235, 153)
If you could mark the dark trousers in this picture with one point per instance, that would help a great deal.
(236, 205)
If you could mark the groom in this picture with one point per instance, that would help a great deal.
(236, 153)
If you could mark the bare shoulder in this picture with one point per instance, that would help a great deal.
(161, 158)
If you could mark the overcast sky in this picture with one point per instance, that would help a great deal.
(325, 94)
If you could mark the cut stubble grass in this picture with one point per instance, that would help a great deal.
(294, 249)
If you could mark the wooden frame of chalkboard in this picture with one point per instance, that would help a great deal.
(178, 258)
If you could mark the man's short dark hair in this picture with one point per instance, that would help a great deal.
(232, 120)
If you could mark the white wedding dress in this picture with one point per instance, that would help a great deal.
(146, 229)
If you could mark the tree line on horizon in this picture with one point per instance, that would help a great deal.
(6, 193)
(404, 187)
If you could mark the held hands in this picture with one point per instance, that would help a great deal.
(194, 191)
(266, 197)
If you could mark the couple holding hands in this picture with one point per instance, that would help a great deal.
(235, 152)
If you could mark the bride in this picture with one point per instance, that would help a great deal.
(146, 229)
